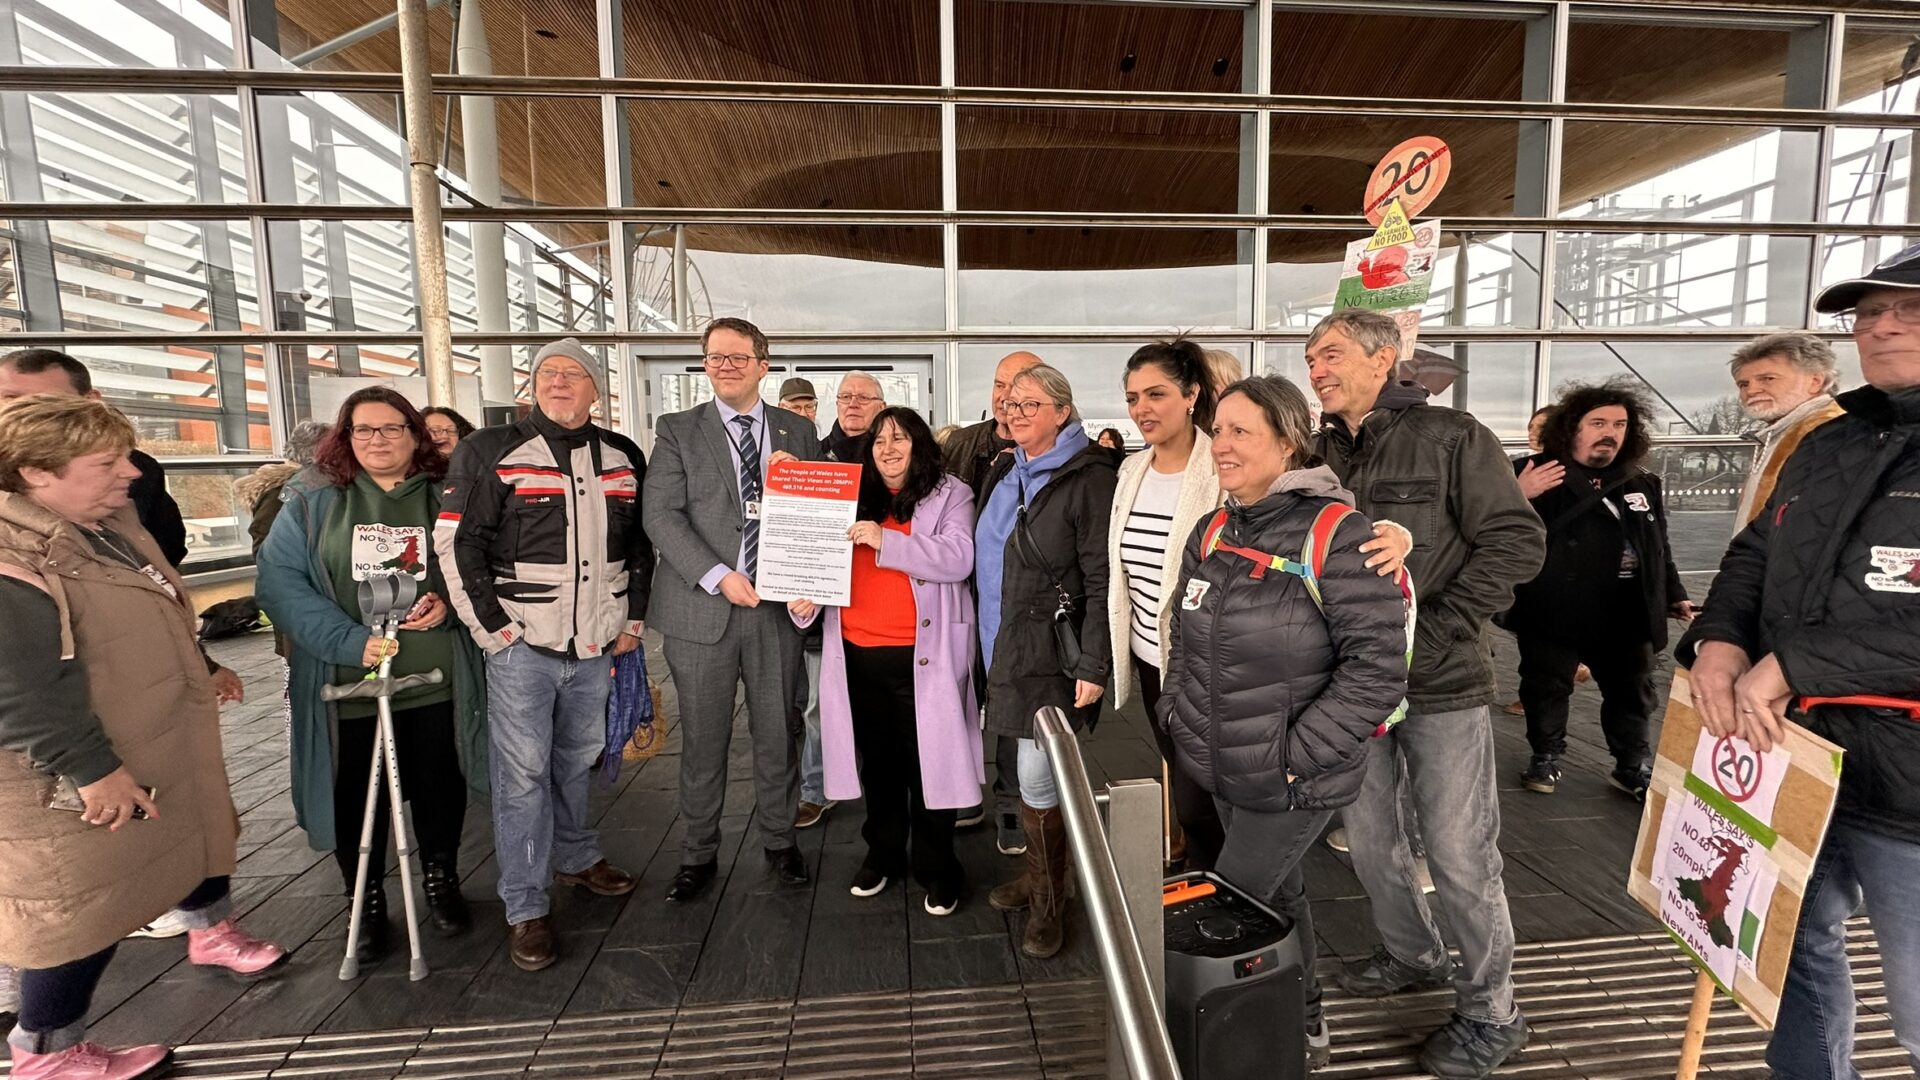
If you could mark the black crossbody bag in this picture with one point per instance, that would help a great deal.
(1066, 640)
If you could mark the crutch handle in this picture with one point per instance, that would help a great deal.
(1872, 701)
(373, 688)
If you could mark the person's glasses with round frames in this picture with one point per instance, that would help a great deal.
(1864, 316)
(1025, 408)
(720, 361)
(365, 433)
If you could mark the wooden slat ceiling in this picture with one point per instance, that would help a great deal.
(795, 155)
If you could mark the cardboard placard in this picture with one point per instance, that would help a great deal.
(1727, 840)
(1392, 278)
(1412, 174)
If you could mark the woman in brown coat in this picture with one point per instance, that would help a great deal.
(105, 700)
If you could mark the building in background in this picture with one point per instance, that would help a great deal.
(1634, 190)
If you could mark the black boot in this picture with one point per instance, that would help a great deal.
(373, 925)
(446, 908)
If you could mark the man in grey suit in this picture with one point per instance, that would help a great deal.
(702, 510)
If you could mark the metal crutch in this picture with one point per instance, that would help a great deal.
(385, 600)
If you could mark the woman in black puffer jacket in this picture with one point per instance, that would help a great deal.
(1270, 698)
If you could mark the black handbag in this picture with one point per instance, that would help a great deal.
(1066, 640)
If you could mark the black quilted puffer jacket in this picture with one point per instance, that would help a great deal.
(1827, 578)
(1260, 684)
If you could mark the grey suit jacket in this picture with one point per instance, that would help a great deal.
(691, 510)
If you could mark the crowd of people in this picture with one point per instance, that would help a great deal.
(1251, 573)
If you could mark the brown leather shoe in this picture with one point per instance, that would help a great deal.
(1047, 882)
(602, 878)
(531, 944)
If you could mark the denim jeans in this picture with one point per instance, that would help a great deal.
(546, 722)
(1036, 777)
(813, 778)
(1814, 1039)
(1448, 759)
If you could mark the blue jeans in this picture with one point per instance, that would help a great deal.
(1814, 1038)
(813, 778)
(1036, 777)
(546, 722)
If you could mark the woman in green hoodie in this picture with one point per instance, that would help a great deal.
(367, 507)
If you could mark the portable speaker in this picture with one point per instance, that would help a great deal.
(1236, 1006)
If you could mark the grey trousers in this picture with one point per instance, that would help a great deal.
(761, 648)
(1448, 760)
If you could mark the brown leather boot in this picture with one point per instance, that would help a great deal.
(1047, 876)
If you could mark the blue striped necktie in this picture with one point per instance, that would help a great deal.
(749, 492)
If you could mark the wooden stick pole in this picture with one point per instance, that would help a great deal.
(1696, 1037)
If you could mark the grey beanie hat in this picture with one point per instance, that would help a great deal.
(578, 353)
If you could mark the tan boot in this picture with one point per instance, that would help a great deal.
(1011, 895)
(1047, 876)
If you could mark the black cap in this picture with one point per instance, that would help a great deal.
(797, 388)
(1900, 272)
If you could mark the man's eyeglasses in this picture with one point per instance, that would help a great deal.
(862, 399)
(718, 361)
(1865, 316)
(551, 375)
(389, 432)
(1025, 408)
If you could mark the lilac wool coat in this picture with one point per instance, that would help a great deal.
(938, 559)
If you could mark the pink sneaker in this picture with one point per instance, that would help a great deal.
(224, 946)
(91, 1061)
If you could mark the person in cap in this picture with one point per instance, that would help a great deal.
(1819, 596)
(549, 567)
(797, 396)
(702, 507)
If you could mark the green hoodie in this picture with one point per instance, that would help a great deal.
(370, 532)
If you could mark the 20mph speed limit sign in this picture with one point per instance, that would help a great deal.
(1413, 172)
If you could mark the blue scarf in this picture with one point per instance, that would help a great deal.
(990, 533)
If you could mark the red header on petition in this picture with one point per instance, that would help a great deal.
(815, 480)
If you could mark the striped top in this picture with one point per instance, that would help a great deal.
(1143, 546)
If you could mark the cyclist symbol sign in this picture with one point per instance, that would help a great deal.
(1738, 769)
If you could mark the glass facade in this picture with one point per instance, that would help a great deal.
(205, 200)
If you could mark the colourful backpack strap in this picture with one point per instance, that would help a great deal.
(1319, 541)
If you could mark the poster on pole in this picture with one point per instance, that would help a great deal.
(1727, 841)
(804, 517)
(1392, 273)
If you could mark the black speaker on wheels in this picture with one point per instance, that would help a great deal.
(1236, 998)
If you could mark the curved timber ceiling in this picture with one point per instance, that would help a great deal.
(787, 155)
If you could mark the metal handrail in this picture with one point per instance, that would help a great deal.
(1137, 1018)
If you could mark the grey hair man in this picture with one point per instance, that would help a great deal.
(1443, 476)
(1787, 382)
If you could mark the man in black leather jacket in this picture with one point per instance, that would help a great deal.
(1820, 597)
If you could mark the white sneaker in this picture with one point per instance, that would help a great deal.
(170, 925)
(1319, 1046)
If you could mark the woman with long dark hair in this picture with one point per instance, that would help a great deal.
(445, 428)
(897, 718)
(367, 507)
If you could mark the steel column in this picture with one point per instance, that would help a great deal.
(423, 186)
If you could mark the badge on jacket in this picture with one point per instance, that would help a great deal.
(1196, 591)
(1637, 500)
(1900, 569)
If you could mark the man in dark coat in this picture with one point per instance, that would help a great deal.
(1441, 475)
(1608, 588)
(1820, 597)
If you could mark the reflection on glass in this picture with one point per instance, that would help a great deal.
(1876, 74)
(1146, 48)
(787, 277)
(1692, 172)
(1034, 276)
(1870, 181)
(1100, 161)
(1466, 55)
(775, 154)
(1676, 279)
(1492, 380)
(1701, 486)
(215, 516)
(121, 33)
(1321, 162)
(1647, 56)
(135, 147)
(893, 42)
(1498, 286)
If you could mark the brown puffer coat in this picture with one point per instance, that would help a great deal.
(69, 889)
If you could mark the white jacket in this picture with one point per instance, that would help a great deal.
(1199, 496)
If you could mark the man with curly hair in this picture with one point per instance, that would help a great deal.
(1608, 587)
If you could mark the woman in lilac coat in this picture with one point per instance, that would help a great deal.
(897, 714)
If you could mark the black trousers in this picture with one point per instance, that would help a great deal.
(886, 733)
(1192, 807)
(430, 781)
(55, 998)
(1622, 669)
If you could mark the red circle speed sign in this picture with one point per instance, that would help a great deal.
(1413, 172)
